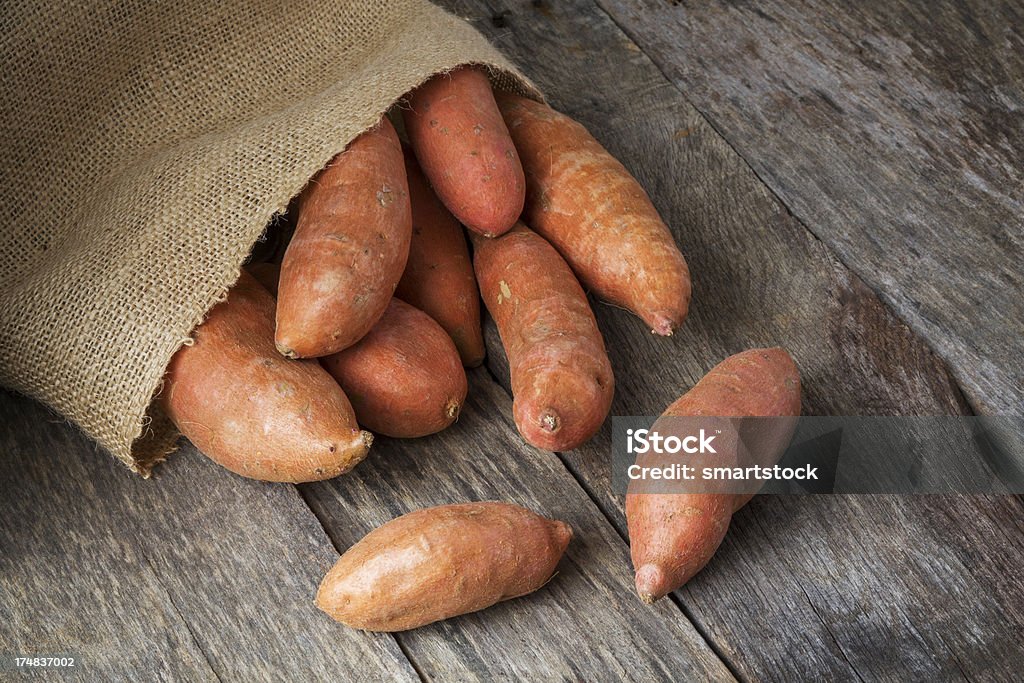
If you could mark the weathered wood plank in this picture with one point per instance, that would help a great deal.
(909, 588)
(894, 131)
(824, 587)
(583, 625)
(194, 575)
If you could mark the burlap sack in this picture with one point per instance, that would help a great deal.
(146, 143)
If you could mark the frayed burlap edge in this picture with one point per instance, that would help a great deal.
(157, 438)
(89, 326)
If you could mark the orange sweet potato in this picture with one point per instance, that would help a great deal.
(440, 562)
(583, 201)
(461, 142)
(673, 535)
(404, 377)
(562, 382)
(438, 277)
(349, 248)
(252, 411)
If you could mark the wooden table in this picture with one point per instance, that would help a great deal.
(845, 182)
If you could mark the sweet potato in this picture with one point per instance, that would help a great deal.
(440, 562)
(464, 149)
(673, 535)
(438, 277)
(349, 248)
(583, 201)
(252, 411)
(404, 377)
(562, 382)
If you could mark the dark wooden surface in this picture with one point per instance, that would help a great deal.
(199, 574)
(761, 278)
(892, 130)
(195, 574)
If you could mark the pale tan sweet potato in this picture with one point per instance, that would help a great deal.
(404, 378)
(349, 249)
(562, 382)
(252, 411)
(463, 147)
(583, 201)
(438, 277)
(674, 535)
(440, 562)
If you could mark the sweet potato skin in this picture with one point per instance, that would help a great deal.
(252, 411)
(438, 277)
(349, 249)
(463, 147)
(674, 535)
(404, 378)
(583, 201)
(562, 382)
(440, 562)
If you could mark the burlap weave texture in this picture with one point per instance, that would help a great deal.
(146, 145)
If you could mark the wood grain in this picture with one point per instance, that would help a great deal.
(196, 574)
(907, 588)
(893, 130)
(585, 624)
(802, 587)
